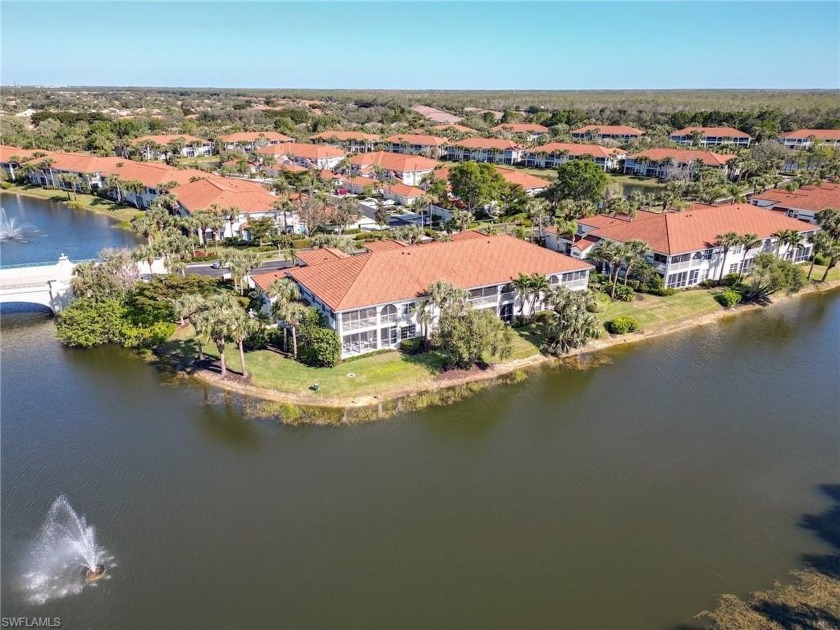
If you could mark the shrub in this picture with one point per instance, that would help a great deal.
(708, 284)
(303, 243)
(624, 294)
(543, 317)
(319, 347)
(821, 259)
(87, 323)
(633, 284)
(665, 291)
(728, 298)
(5, 185)
(139, 336)
(622, 325)
(411, 346)
(597, 303)
(730, 279)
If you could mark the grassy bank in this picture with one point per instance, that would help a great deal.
(92, 203)
(384, 376)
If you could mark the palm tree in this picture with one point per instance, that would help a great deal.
(833, 253)
(217, 322)
(822, 243)
(241, 327)
(539, 286)
(794, 241)
(608, 254)
(425, 316)
(283, 292)
(727, 241)
(186, 306)
(632, 251)
(749, 241)
(781, 237)
(522, 284)
(291, 315)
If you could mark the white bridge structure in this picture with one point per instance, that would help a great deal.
(44, 284)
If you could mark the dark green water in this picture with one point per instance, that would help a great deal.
(627, 496)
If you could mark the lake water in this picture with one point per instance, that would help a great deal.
(625, 496)
(61, 230)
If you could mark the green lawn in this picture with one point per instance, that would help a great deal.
(634, 180)
(653, 311)
(124, 214)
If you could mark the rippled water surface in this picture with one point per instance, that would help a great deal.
(627, 496)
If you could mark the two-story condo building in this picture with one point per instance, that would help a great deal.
(415, 144)
(617, 133)
(804, 203)
(250, 141)
(320, 156)
(140, 183)
(554, 154)
(371, 299)
(12, 157)
(350, 141)
(683, 243)
(533, 131)
(662, 162)
(409, 169)
(493, 150)
(160, 147)
(806, 138)
(532, 184)
(710, 136)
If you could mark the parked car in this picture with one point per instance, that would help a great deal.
(216, 265)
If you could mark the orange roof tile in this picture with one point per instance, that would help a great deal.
(399, 274)
(819, 134)
(225, 192)
(812, 198)
(577, 150)
(520, 178)
(500, 144)
(716, 132)
(698, 226)
(301, 150)
(321, 255)
(7, 152)
(708, 158)
(384, 245)
(403, 190)
(416, 138)
(151, 174)
(394, 161)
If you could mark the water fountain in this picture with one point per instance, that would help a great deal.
(10, 230)
(65, 556)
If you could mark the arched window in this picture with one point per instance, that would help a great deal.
(554, 280)
(388, 315)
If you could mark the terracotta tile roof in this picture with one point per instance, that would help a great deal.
(167, 138)
(586, 243)
(319, 256)
(696, 227)
(76, 162)
(394, 161)
(344, 136)
(399, 274)
(151, 174)
(714, 132)
(812, 198)
(577, 150)
(416, 138)
(404, 190)
(359, 180)
(225, 192)
(301, 150)
(263, 280)
(385, 245)
(500, 144)
(609, 130)
(251, 136)
(708, 158)
(819, 134)
(520, 128)
(442, 172)
(7, 152)
(516, 177)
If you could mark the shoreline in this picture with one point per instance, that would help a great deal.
(477, 379)
(120, 215)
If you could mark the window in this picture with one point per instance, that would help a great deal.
(692, 276)
(707, 254)
(353, 320)
(388, 337)
(357, 343)
(660, 258)
(802, 254)
(485, 295)
(677, 280)
(409, 309)
(553, 280)
(680, 258)
(407, 332)
(748, 264)
(388, 314)
(733, 268)
(574, 276)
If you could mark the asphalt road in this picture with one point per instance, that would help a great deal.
(204, 269)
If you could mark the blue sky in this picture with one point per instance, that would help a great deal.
(440, 45)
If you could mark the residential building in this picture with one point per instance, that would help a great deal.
(805, 138)
(250, 141)
(160, 147)
(320, 156)
(68, 171)
(532, 184)
(617, 133)
(710, 136)
(141, 183)
(402, 193)
(409, 169)
(371, 299)
(358, 185)
(662, 163)
(493, 150)
(12, 157)
(804, 203)
(350, 141)
(682, 244)
(554, 154)
(533, 131)
(415, 144)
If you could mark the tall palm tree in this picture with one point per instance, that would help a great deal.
(241, 327)
(749, 241)
(781, 237)
(608, 253)
(216, 321)
(822, 243)
(794, 241)
(522, 284)
(186, 306)
(727, 241)
(282, 292)
(291, 314)
(539, 287)
(633, 251)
